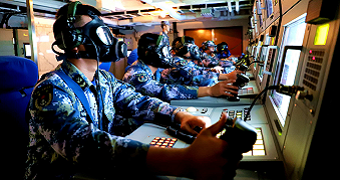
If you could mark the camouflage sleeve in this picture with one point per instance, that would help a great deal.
(139, 106)
(145, 84)
(198, 76)
(212, 61)
(59, 128)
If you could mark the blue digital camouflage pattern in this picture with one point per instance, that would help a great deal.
(63, 142)
(212, 60)
(188, 73)
(141, 76)
(165, 39)
(224, 54)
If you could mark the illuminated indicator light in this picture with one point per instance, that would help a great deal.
(321, 34)
(310, 51)
(249, 153)
(259, 141)
(313, 58)
(259, 152)
(258, 147)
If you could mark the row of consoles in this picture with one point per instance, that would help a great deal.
(262, 162)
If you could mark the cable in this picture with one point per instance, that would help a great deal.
(287, 90)
(257, 97)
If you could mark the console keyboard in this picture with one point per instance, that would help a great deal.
(258, 147)
(246, 90)
(163, 142)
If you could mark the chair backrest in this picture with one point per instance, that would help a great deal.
(17, 79)
(105, 66)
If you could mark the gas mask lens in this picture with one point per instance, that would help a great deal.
(105, 35)
(165, 51)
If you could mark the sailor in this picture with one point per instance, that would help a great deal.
(224, 55)
(186, 53)
(165, 25)
(209, 57)
(72, 110)
(145, 76)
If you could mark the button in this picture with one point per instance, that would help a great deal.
(191, 109)
(204, 110)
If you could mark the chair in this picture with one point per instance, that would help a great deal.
(17, 79)
(105, 66)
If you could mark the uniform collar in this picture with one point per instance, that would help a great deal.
(142, 65)
(76, 75)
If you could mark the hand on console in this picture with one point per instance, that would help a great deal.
(207, 157)
(224, 88)
(189, 122)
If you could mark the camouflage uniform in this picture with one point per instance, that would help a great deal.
(141, 76)
(188, 73)
(212, 60)
(227, 65)
(63, 141)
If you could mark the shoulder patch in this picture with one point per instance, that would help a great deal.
(43, 96)
(183, 62)
(142, 77)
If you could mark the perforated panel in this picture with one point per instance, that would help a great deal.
(313, 68)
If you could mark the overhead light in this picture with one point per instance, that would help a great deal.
(112, 5)
(237, 6)
(229, 6)
(162, 14)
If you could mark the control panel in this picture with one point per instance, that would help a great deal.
(197, 111)
(256, 116)
(263, 150)
(246, 94)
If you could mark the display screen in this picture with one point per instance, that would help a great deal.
(288, 77)
(263, 58)
(259, 12)
(269, 7)
(293, 36)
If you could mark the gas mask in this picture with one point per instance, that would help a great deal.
(97, 38)
(194, 52)
(99, 41)
(156, 55)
